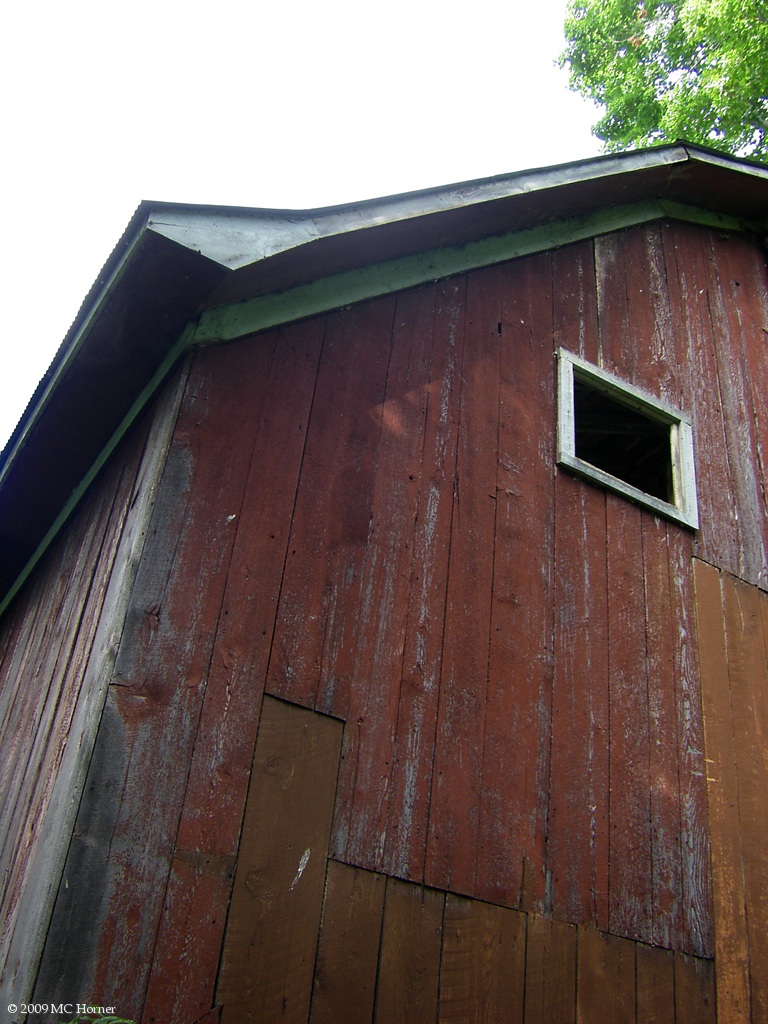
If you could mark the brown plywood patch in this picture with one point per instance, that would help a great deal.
(483, 963)
(727, 854)
(409, 969)
(271, 937)
(695, 1000)
(606, 978)
(656, 986)
(348, 953)
(550, 972)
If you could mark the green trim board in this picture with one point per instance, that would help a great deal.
(225, 323)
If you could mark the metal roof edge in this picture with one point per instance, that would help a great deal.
(236, 237)
(89, 309)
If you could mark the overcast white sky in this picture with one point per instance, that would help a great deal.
(248, 104)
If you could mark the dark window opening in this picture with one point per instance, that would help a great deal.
(622, 441)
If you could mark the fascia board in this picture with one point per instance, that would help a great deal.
(235, 237)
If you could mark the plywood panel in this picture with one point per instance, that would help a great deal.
(209, 831)
(606, 978)
(482, 974)
(656, 986)
(454, 806)
(748, 676)
(348, 952)
(409, 969)
(550, 972)
(515, 789)
(271, 938)
(695, 991)
(728, 884)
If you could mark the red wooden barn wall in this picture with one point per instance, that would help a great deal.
(360, 514)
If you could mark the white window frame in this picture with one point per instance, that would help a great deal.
(684, 508)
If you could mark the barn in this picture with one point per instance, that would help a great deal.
(384, 627)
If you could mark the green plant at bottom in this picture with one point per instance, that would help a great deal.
(91, 1019)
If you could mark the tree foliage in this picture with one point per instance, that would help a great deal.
(673, 69)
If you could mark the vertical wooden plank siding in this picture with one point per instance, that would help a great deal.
(745, 435)
(662, 614)
(56, 759)
(482, 975)
(577, 828)
(515, 790)
(386, 579)
(361, 513)
(407, 823)
(454, 804)
(49, 678)
(574, 300)
(695, 823)
(347, 958)
(409, 967)
(630, 863)
(749, 295)
(719, 536)
(313, 646)
(209, 830)
(108, 911)
(268, 957)
(577, 848)
(722, 325)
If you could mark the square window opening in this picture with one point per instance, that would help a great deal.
(624, 439)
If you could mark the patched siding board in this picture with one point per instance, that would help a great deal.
(732, 617)
(482, 972)
(344, 986)
(550, 972)
(409, 962)
(268, 957)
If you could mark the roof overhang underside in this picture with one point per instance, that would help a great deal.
(174, 262)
